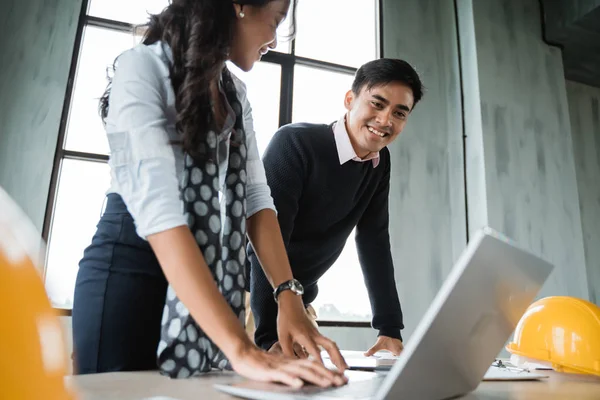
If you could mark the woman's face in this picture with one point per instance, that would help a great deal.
(255, 32)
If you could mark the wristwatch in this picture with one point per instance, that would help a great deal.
(293, 284)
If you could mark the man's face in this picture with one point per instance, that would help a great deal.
(376, 116)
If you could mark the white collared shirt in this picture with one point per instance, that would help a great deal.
(145, 167)
(344, 145)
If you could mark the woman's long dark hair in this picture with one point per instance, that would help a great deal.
(199, 33)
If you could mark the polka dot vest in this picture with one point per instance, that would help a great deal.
(184, 349)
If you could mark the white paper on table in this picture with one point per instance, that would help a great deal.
(511, 374)
(529, 363)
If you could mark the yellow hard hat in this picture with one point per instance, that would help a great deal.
(33, 360)
(562, 331)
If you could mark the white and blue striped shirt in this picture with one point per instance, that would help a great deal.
(145, 167)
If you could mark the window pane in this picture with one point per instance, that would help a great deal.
(100, 47)
(347, 302)
(283, 40)
(338, 31)
(136, 12)
(319, 98)
(263, 84)
(319, 95)
(78, 206)
(132, 11)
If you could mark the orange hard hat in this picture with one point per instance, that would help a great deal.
(562, 331)
(33, 360)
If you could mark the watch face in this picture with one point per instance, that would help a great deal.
(297, 287)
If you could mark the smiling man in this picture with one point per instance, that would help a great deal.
(327, 180)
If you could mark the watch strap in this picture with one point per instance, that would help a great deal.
(287, 285)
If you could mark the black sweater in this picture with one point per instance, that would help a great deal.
(319, 202)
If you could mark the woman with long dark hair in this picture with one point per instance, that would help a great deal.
(162, 282)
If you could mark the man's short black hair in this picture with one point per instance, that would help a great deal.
(386, 70)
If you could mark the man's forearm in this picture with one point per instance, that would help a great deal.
(387, 311)
(378, 270)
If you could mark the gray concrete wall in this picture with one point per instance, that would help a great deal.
(427, 201)
(36, 45)
(568, 11)
(584, 107)
(520, 166)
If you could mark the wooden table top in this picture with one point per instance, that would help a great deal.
(150, 384)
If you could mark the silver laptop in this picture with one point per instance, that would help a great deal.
(471, 318)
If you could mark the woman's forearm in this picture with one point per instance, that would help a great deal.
(265, 236)
(187, 272)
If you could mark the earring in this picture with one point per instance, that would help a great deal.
(242, 15)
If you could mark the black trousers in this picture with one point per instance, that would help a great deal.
(119, 298)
